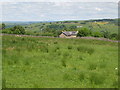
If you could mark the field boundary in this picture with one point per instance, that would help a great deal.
(103, 39)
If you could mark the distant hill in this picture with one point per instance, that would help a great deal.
(110, 25)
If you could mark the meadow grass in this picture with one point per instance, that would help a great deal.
(32, 62)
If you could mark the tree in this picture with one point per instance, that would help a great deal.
(18, 30)
(97, 34)
(72, 27)
(114, 36)
(3, 25)
(84, 32)
(106, 34)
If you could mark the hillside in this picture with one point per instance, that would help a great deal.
(32, 62)
(107, 28)
(94, 25)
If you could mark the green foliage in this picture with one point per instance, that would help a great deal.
(73, 27)
(97, 34)
(14, 30)
(106, 34)
(18, 30)
(84, 32)
(106, 28)
(114, 36)
(3, 25)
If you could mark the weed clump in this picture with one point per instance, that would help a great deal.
(85, 49)
(63, 61)
(14, 41)
(66, 77)
(56, 49)
(70, 47)
(92, 66)
(56, 42)
(81, 76)
(97, 78)
(44, 49)
(22, 39)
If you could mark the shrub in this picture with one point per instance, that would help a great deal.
(114, 36)
(97, 34)
(84, 32)
(106, 34)
(18, 30)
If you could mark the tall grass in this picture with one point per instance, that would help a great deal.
(58, 63)
(85, 49)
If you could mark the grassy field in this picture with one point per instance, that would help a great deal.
(98, 26)
(31, 62)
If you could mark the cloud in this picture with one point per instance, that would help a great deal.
(57, 11)
(98, 9)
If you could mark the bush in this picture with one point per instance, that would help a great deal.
(18, 30)
(106, 34)
(114, 36)
(97, 34)
(84, 32)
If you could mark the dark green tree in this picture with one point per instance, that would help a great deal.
(84, 32)
(106, 34)
(97, 34)
(3, 25)
(18, 30)
(114, 36)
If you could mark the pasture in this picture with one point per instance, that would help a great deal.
(32, 62)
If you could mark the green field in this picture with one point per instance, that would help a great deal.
(110, 25)
(32, 62)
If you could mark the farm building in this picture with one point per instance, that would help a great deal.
(68, 34)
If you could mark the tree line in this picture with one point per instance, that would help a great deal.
(55, 30)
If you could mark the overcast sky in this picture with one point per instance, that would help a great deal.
(52, 11)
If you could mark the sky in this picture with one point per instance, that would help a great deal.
(57, 11)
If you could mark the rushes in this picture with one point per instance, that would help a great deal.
(63, 61)
(97, 78)
(70, 47)
(85, 49)
(71, 64)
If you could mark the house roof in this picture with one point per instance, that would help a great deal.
(69, 33)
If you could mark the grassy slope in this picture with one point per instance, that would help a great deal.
(98, 26)
(58, 63)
